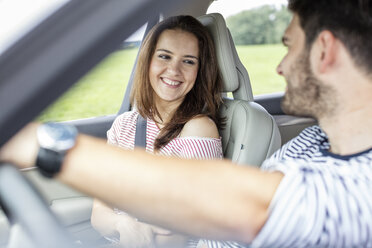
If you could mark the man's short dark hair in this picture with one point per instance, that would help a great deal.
(349, 20)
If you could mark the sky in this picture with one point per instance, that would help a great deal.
(18, 16)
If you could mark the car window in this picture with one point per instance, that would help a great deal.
(257, 28)
(100, 92)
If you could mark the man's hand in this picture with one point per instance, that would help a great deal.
(22, 148)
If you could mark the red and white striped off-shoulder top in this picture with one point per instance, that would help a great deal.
(122, 134)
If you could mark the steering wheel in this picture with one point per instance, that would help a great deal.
(32, 222)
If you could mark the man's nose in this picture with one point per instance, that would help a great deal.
(279, 69)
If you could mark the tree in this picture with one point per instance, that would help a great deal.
(263, 25)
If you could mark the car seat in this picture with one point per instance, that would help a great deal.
(250, 134)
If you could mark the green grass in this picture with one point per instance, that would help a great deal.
(96, 94)
(261, 62)
(101, 91)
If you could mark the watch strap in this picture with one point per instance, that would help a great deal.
(49, 162)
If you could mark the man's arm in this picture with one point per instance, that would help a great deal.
(212, 199)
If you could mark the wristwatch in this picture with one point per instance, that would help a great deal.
(55, 140)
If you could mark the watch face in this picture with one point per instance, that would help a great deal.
(57, 137)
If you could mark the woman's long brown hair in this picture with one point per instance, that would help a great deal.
(203, 99)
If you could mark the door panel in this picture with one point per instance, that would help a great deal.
(289, 126)
(271, 102)
(96, 126)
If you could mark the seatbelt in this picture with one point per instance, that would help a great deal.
(140, 138)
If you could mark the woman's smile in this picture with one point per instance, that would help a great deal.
(170, 82)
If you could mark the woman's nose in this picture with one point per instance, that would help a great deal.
(174, 67)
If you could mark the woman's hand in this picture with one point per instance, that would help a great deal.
(134, 234)
(22, 148)
(131, 232)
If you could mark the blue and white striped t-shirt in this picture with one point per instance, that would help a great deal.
(324, 200)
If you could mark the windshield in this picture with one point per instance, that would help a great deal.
(17, 17)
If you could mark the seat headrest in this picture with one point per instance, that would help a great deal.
(234, 75)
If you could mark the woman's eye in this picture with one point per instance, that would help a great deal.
(164, 56)
(190, 62)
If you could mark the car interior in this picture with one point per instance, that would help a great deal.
(255, 128)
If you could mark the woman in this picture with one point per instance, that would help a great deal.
(177, 89)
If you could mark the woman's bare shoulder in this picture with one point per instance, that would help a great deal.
(200, 126)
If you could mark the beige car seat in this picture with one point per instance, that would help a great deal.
(251, 134)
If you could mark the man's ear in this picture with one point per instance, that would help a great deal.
(326, 45)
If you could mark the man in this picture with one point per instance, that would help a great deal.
(316, 190)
